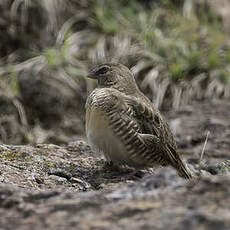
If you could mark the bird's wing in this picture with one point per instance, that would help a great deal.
(130, 115)
(150, 120)
(156, 134)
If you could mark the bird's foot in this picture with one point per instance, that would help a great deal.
(125, 172)
(110, 166)
(134, 175)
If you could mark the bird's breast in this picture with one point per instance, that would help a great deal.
(101, 136)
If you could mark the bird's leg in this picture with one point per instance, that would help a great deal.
(132, 174)
(109, 165)
(126, 172)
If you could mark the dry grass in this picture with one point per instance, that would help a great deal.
(202, 152)
(174, 55)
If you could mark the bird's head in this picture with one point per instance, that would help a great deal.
(115, 76)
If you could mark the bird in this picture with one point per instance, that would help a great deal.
(124, 126)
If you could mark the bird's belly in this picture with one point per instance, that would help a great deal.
(102, 138)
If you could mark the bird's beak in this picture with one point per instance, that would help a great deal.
(92, 75)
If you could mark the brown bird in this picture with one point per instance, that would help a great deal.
(122, 123)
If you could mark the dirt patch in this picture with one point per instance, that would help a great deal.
(53, 187)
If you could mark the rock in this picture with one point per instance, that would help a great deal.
(47, 186)
(52, 187)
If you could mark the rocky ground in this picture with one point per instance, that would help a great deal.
(47, 186)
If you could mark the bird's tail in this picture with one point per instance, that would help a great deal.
(178, 164)
(183, 171)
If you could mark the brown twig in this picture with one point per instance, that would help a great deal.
(202, 152)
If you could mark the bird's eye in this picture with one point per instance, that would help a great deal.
(102, 70)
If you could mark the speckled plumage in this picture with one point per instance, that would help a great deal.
(123, 124)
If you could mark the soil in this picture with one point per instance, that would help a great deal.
(46, 186)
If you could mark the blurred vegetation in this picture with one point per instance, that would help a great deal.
(177, 50)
